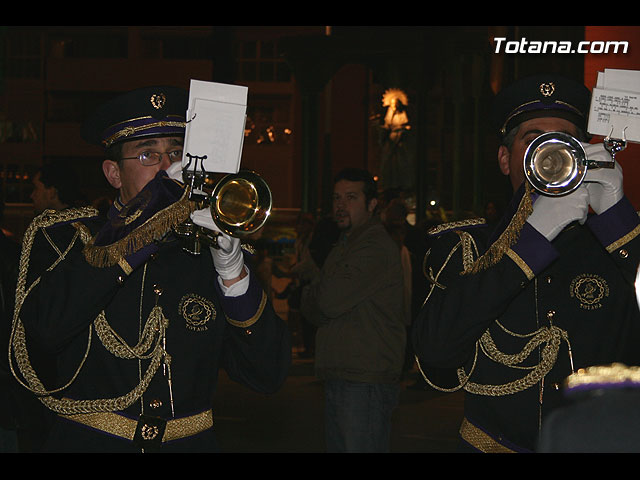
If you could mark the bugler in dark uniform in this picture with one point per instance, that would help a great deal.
(139, 327)
(512, 312)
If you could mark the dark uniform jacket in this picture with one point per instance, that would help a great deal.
(95, 320)
(522, 325)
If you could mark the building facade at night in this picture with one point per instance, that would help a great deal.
(408, 103)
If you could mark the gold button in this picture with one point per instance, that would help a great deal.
(548, 279)
(248, 332)
(550, 314)
(157, 290)
(120, 279)
(155, 403)
(623, 253)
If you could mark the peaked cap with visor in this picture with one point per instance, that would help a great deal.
(144, 112)
(543, 95)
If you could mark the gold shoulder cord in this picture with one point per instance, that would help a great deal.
(150, 341)
(549, 338)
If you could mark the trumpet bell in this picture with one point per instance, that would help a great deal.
(555, 163)
(241, 203)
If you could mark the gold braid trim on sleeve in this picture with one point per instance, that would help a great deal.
(521, 263)
(254, 318)
(624, 240)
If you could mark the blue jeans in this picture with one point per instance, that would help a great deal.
(358, 415)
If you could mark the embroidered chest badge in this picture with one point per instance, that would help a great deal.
(590, 290)
(197, 312)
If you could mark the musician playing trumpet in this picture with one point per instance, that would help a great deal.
(513, 312)
(136, 326)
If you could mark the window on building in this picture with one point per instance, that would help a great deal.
(21, 53)
(259, 61)
(85, 44)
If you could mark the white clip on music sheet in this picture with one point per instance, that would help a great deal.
(215, 126)
(615, 105)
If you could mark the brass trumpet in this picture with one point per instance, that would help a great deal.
(556, 163)
(240, 205)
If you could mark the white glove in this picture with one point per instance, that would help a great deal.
(604, 184)
(551, 214)
(228, 258)
(175, 171)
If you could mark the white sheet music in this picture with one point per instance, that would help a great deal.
(615, 105)
(215, 125)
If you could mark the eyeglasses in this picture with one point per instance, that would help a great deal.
(149, 159)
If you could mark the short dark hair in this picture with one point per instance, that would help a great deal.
(359, 175)
(114, 152)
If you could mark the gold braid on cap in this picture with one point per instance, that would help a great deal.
(129, 130)
(507, 238)
(518, 110)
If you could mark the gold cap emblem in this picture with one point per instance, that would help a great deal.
(547, 89)
(158, 100)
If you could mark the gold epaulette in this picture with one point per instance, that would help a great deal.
(54, 218)
(50, 218)
(451, 226)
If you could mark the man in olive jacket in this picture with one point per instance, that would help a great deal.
(357, 305)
